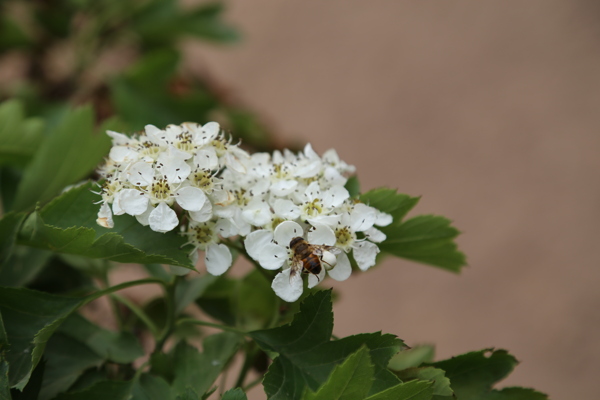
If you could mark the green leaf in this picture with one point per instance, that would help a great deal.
(199, 370)
(426, 238)
(307, 355)
(9, 227)
(188, 394)
(33, 387)
(19, 137)
(113, 390)
(70, 152)
(11, 35)
(516, 393)
(472, 375)
(412, 357)
(161, 22)
(68, 225)
(4, 385)
(118, 347)
(353, 186)
(391, 202)
(350, 380)
(189, 290)
(414, 390)
(30, 318)
(150, 387)
(234, 394)
(143, 95)
(205, 22)
(23, 266)
(67, 359)
(441, 384)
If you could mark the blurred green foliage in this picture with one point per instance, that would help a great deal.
(124, 58)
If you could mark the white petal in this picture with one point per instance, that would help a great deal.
(329, 220)
(123, 154)
(206, 159)
(155, 135)
(286, 231)
(140, 174)
(364, 254)
(204, 214)
(143, 217)
(257, 213)
(328, 259)
(244, 228)
(133, 202)
(217, 259)
(362, 217)
(174, 168)
(283, 188)
(163, 219)
(383, 219)
(314, 280)
(342, 269)
(191, 198)
(333, 177)
(321, 235)
(313, 191)
(309, 152)
(226, 228)
(285, 208)
(209, 131)
(335, 196)
(308, 168)
(256, 241)
(105, 217)
(118, 138)
(375, 235)
(287, 289)
(232, 161)
(116, 205)
(272, 256)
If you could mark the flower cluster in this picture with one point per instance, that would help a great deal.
(191, 176)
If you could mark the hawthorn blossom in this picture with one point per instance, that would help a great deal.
(194, 177)
(272, 251)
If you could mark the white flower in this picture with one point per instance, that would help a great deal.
(272, 251)
(217, 256)
(361, 218)
(153, 189)
(318, 205)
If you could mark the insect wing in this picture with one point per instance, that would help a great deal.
(296, 267)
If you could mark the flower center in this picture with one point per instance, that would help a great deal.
(276, 221)
(160, 190)
(344, 237)
(202, 234)
(220, 147)
(185, 142)
(241, 198)
(110, 187)
(150, 149)
(202, 179)
(313, 208)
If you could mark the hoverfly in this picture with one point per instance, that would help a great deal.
(308, 257)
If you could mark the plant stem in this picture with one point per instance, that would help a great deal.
(253, 383)
(121, 286)
(248, 360)
(138, 312)
(212, 325)
(170, 305)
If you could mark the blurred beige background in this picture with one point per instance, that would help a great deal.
(489, 110)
